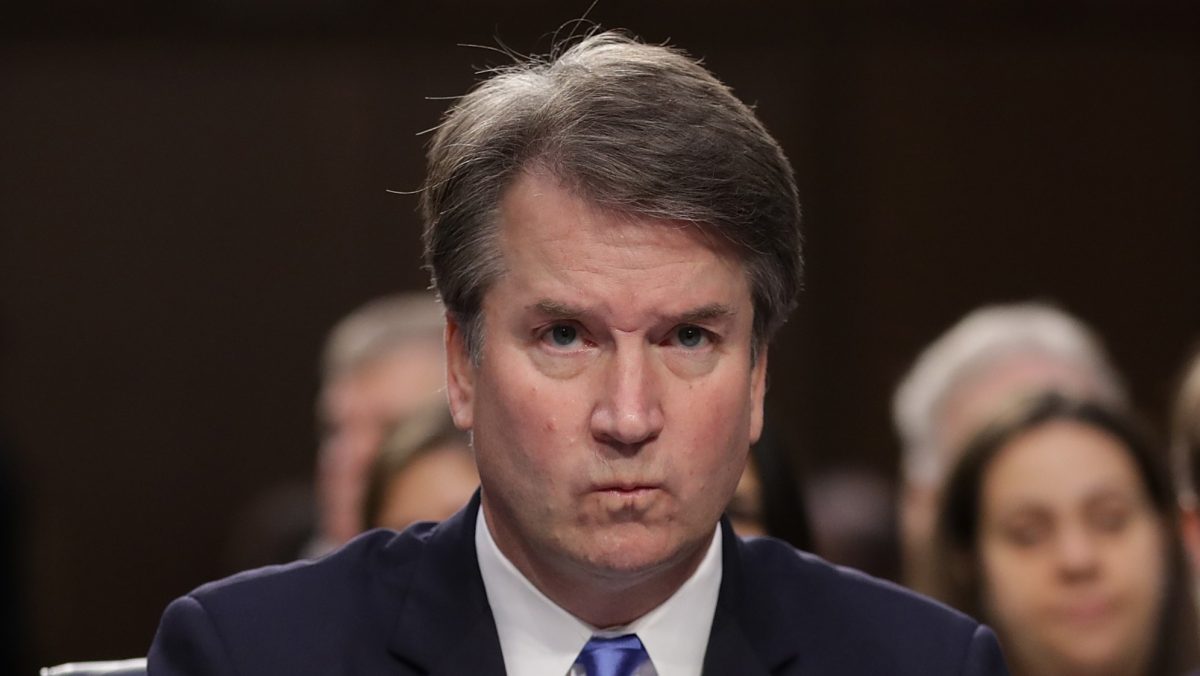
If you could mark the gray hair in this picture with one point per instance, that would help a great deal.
(638, 129)
(984, 338)
(379, 327)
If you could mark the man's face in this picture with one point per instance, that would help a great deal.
(616, 396)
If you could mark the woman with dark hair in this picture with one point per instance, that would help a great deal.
(423, 471)
(1058, 528)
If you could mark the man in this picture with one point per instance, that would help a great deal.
(382, 364)
(615, 238)
(991, 357)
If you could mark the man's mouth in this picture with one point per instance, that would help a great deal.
(626, 487)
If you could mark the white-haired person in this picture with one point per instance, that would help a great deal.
(382, 364)
(992, 356)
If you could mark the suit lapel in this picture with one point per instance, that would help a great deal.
(744, 639)
(445, 626)
(729, 652)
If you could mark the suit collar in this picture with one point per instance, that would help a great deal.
(744, 637)
(446, 628)
(445, 625)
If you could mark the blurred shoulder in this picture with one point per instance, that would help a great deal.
(848, 618)
(787, 568)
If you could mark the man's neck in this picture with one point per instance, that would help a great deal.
(601, 598)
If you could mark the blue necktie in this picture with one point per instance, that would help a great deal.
(618, 656)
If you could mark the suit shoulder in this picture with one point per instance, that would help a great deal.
(801, 575)
(333, 582)
(853, 618)
(296, 618)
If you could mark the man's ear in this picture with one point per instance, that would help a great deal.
(460, 375)
(758, 393)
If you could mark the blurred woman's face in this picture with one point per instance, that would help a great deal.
(1073, 553)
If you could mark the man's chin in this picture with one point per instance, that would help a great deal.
(630, 553)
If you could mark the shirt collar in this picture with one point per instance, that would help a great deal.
(537, 636)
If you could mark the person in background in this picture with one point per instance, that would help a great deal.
(853, 516)
(423, 472)
(1058, 528)
(1185, 457)
(382, 363)
(991, 357)
(769, 498)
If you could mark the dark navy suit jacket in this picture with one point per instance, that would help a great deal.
(414, 603)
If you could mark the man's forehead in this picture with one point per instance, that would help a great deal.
(535, 190)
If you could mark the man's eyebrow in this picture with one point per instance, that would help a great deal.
(557, 310)
(707, 313)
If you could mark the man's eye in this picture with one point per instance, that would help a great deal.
(564, 335)
(690, 336)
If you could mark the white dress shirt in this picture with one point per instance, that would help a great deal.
(539, 638)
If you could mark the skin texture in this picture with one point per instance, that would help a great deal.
(356, 410)
(615, 400)
(431, 487)
(1073, 554)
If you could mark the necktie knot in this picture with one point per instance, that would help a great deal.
(616, 656)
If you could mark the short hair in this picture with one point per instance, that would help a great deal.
(429, 429)
(958, 575)
(984, 337)
(1185, 434)
(638, 129)
(378, 327)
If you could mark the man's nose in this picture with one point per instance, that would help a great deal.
(628, 412)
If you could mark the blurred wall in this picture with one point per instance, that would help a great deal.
(191, 195)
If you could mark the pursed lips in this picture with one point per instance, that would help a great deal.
(625, 486)
(627, 494)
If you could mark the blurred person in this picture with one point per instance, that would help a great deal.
(423, 472)
(381, 364)
(1185, 457)
(1058, 528)
(616, 238)
(991, 357)
(853, 516)
(768, 499)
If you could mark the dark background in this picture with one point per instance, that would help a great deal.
(191, 195)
